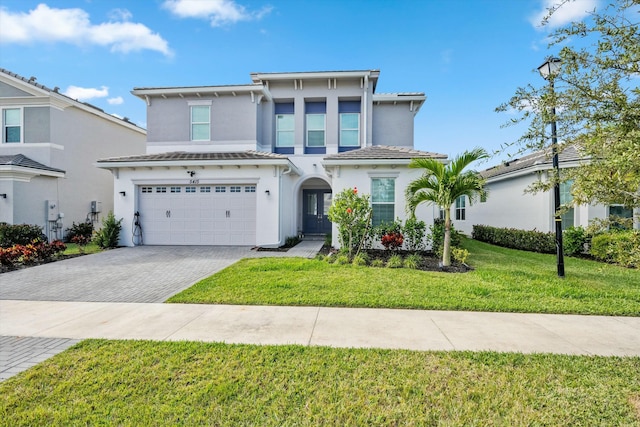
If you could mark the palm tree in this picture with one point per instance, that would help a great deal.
(442, 184)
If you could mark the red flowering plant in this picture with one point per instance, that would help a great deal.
(390, 235)
(352, 214)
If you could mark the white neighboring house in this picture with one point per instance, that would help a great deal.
(48, 150)
(253, 164)
(507, 205)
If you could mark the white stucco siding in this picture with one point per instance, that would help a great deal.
(508, 206)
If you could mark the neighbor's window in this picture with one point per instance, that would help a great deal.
(383, 191)
(619, 212)
(285, 124)
(461, 208)
(349, 123)
(566, 197)
(316, 119)
(200, 123)
(12, 124)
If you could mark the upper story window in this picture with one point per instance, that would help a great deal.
(200, 123)
(461, 208)
(316, 113)
(383, 195)
(12, 125)
(285, 124)
(349, 123)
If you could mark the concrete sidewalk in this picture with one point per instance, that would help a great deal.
(336, 327)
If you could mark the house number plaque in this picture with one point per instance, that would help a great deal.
(194, 181)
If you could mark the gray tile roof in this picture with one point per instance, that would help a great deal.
(182, 155)
(25, 162)
(377, 152)
(539, 158)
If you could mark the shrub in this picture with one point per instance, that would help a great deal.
(390, 234)
(437, 236)
(414, 234)
(459, 254)
(33, 252)
(20, 234)
(360, 259)
(394, 261)
(573, 240)
(526, 240)
(83, 229)
(619, 247)
(412, 261)
(291, 241)
(109, 235)
(342, 259)
(352, 213)
(377, 263)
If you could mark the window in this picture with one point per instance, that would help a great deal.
(161, 189)
(220, 189)
(147, 189)
(461, 208)
(12, 125)
(483, 197)
(618, 212)
(566, 198)
(189, 189)
(250, 189)
(285, 124)
(235, 189)
(349, 123)
(200, 123)
(205, 189)
(175, 189)
(383, 193)
(316, 118)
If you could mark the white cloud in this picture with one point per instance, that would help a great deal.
(218, 12)
(115, 101)
(120, 15)
(45, 24)
(570, 11)
(86, 93)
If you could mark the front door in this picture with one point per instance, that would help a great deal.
(315, 208)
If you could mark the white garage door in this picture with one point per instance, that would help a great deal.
(198, 214)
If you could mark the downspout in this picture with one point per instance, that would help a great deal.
(366, 110)
(287, 171)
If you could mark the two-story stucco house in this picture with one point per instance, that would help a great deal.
(252, 164)
(49, 147)
(509, 205)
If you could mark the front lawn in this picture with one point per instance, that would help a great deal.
(503, 280)
(134, 383)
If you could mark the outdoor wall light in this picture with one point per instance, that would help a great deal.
(267, 192)
(191, 173)
(123, 193)
(3, 195)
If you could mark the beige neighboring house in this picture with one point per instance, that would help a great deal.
(49, 147)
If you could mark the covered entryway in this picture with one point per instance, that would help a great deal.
(316, 201)
(222, 214)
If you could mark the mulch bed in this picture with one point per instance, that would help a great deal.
(14, 267)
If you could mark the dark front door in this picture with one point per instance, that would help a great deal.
(315, 209)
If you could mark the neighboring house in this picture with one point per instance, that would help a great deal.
(507, 204)
(48, 150)
(256, 163)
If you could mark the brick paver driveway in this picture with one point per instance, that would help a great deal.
(138, 274)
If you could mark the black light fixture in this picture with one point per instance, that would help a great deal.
(123, 193)
(191, 173)
(3, 195)
(267, 192)
(549, 70)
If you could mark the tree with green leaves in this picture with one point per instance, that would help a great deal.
(597, 103)
(442, 184)
(352, 214)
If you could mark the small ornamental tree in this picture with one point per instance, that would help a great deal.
(352, 214)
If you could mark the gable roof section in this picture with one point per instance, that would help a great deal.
(540, 160)
(380, 154)
(61, 101)
(182, 158)
(23, 161)
(18, 167)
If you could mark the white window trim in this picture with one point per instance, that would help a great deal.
(21, 125)
(324, 130)
(462, 209)
(191, 122)
(373, 176)
(292, 131)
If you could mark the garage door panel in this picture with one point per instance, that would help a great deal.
(198, 215)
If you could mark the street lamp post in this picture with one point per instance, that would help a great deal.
(549, 70)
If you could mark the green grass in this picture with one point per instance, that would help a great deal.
(133, 383)
(74, 249)
(503, 280)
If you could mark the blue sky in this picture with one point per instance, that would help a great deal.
(467, 56)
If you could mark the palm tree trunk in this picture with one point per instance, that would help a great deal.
(446, 250)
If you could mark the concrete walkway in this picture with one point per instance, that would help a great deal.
(335, 327)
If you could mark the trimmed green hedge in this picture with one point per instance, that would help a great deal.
(526, 240)
(20, 234)
(619, 247)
